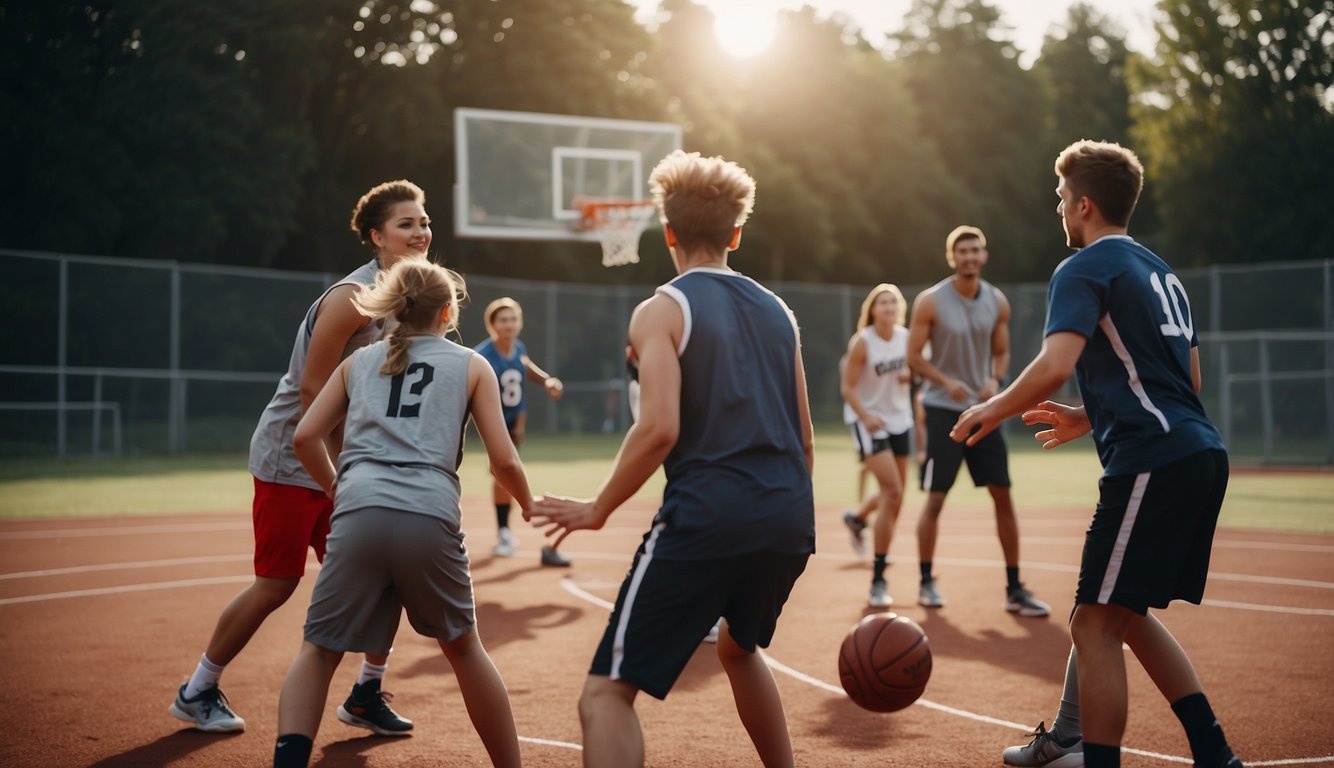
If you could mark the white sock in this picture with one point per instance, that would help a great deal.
(206, 675)
(371, 671)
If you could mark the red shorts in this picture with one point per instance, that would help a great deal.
(288, 518)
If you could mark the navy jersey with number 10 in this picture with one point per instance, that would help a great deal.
(1135, 373)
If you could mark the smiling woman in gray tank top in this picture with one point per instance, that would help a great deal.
(291, 512)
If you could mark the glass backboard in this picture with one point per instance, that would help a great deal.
(521, 174)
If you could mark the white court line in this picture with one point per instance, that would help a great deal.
(126, 566)
(1228, 604)
(124, 530)
(569, 586)
(551, 743)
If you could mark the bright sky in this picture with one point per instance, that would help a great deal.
(1030, 19)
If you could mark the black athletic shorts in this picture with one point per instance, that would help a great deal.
(1152, 533)
(988, 461)
(666, 607)
(868, 444)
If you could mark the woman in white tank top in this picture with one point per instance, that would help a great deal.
(876, 385)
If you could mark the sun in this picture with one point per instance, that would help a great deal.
(743, 33)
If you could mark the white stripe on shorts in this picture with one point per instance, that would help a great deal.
(618, 642)
(1123, 538)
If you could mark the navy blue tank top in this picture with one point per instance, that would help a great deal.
(737, 480)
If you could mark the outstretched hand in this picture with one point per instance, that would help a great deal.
(975, 423)
(1067, 422)
(561, 515)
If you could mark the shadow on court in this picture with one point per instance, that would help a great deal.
(166, 750)
(1041, 652)
(350, 753)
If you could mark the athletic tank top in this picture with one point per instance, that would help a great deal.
(272, 458)
(961, 342)
(880, 389)
(403, 437)
(510, 372)
(737, 480)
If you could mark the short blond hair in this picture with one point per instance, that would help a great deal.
(504, 302)
(865, 320)
(962, 232)
(704, 199)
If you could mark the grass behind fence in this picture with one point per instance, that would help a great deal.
(575, 466)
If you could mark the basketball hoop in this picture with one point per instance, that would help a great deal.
(619, 225)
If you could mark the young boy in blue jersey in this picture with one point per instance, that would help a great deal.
(723, 410)
(508, 356)
(1118, 317)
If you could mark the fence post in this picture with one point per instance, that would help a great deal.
(1266, 400)
(62, 352)
(97, 413)
(175, 413)
(553, 333)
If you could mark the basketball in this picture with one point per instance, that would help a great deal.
(884, 662)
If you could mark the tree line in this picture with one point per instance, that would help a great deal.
(242, 131)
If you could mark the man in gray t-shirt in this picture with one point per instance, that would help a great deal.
(965, 320)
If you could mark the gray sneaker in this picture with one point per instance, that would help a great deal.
(1019, 600)
(927, 595)
(879, 595)
(1044, 751)
(208, 710)
(553, 558)
(855, 529)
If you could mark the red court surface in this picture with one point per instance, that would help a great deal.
(102, 619)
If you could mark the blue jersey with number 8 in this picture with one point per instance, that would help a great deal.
(510, 373)
(1134, 374)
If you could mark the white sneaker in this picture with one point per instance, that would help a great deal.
(208, 710)
(928, 597)
(879, 595)
(506, 543)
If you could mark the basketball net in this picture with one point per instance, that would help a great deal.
(618, 225)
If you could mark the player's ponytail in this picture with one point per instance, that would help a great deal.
(413, 292)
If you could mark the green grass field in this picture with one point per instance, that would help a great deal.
(575, 465)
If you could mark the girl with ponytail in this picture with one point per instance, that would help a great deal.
(395, 541)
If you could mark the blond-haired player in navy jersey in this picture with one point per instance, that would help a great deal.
(1118, 318)
(723, 410)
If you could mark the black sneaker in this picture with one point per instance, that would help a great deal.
(368, 707)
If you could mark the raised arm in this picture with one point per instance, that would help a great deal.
(1043, 376)
(655, 331)
(554, 387)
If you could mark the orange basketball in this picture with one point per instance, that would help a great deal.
(884, 662)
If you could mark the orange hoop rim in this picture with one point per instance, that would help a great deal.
(592, 213)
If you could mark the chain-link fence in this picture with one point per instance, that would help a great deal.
(110, 356)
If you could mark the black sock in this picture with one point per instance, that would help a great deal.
(878, 568)
(502, 515)
(1012, 577)
(292, 750)
(1202, 729)
(925, 566)
(1102, 755)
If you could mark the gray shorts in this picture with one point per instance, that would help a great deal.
(380, 562)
